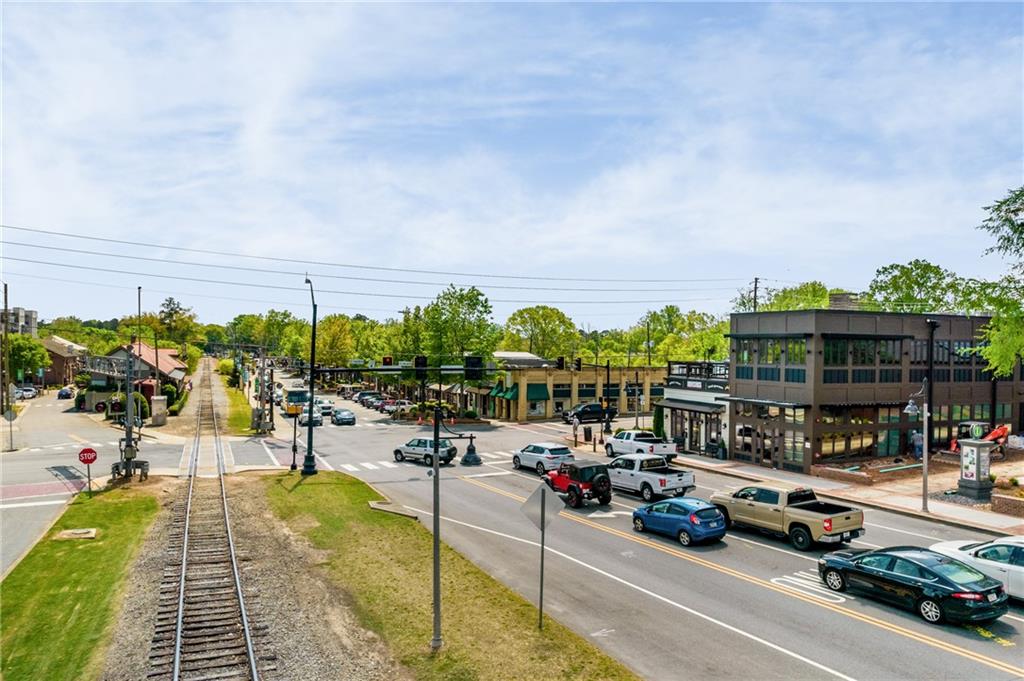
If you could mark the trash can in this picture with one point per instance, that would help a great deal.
(588, 434)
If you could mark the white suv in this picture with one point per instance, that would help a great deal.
(542, 457)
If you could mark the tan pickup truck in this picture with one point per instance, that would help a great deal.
(791, 511)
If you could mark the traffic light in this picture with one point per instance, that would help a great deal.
(387, 361)
(420, 362)
(577, 364)
(474, 366)
(560, 363)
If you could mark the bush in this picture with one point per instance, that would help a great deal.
(1014, 482)
(170, 392)
(470, 414)
(992, 477)
(659, 421)
(141, 405)
(82, 380)
(80, 401)
(226, 367)
(176, 408)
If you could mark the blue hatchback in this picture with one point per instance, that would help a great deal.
(688, 519)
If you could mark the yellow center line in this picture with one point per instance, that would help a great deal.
(867, 619)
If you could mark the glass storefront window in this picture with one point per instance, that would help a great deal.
(744, 351)
(793, 446)
(796, 351)
(768, 351)
(942, 413)
(836, 352)
(862, 415)
(863, 352)
(889, 414)
(889, 351)
(794, 415)
(1003, 410)
(981, 412)
(888, 442)
(833, 415)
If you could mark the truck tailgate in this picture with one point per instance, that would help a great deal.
(845, 522)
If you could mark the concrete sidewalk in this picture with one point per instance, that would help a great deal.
(898, 497)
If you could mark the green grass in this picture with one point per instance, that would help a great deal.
(239, 410)
(59, 605)
(384, 562)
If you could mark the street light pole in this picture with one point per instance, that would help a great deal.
(913, 410)
(309, 462)
(295, 446)
(436, 642)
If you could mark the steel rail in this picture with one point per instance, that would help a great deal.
(231, 550)
(179, 624)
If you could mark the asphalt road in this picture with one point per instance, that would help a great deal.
(749, 606)
(38, 479)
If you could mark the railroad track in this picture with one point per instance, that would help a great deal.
(203, 630)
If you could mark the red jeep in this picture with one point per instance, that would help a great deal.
(581, 480)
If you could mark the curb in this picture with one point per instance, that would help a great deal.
(945, 520)
(388, 507)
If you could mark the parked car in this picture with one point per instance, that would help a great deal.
(28, 392)
(318, 418)
(363, 395)
(581, 481)
(398, 405)
(639, 442)
(343, 417)
(383, 404)
(1001, 559)
(592, 411)
(18, 394)
(649, 476)
(66, 393)
(793, 512)
(935, 586)
(688, 519)
(422, 449)
(542, 457)
(326, 405)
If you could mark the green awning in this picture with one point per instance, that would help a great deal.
(512, 393)
(537, 392)
(496, 391)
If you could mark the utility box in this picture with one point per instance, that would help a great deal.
(974, 466)
(159, 408)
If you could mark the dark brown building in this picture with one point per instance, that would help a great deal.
(820, 386)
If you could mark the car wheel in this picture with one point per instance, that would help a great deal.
(540, 469)
(574, 498)
(605, 500)
(399, 456)
(429, 461)
(608, 450)
(684, 538)
(515, 462)
(834, 580)
(646, 492)
(801, 539)
(930, 611)
(638, 524)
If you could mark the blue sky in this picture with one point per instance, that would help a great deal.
(726, 141)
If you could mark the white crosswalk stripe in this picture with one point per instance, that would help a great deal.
(113, 444)
(350, 468)
(369, 466)
(388, 464)
(490, 455)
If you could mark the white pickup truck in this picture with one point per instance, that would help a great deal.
(639, 442)
(650, 476)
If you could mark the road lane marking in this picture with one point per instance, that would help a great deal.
(52, 502)
(488, 475)
(270, 455)
(350, 468)
(387, 464)
(322, 461)
(369, 466)
(732, 535)
(489, 455)
(867, 619)
(647, 592)
(896, 529)
(74, 437)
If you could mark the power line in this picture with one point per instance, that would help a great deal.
(353, 278)
(346, 293)
(480, 275)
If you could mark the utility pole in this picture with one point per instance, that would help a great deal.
(607, 401)
(648, 342)
(436, 642)
(5, 374)
(756, 280)
(309, 462)
(636, 399)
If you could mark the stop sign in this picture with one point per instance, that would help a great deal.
(87, 455)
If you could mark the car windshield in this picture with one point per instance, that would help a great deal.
(957, 572)
(652, 463)
(649, 437)
(344, 412)
(560, 451)
(590, 472)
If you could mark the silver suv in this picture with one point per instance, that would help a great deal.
(542, 457)
(422, 449)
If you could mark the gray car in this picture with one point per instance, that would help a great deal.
(542, 457)
(318, 418)
(422, 449)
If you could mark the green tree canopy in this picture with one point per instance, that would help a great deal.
(1004, 335)
(543, 330)
(918, 286)
(458, 322)
(27, 355)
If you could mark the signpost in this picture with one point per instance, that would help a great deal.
(88, 457)
(540, 512)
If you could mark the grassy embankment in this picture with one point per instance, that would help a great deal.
(60, 603)
(384, 562)
(239, 410)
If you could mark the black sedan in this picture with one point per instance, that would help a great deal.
(343, 417)
(933, 585)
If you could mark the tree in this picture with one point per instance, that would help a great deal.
(335, 344)
(918, 286)
(458, 322)
(179, 321)
(810, 295)
(28, 355)
(543, 330)
(1004, 335)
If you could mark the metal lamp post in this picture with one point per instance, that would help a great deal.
(295, 445)
(309, 462)
(913, 410)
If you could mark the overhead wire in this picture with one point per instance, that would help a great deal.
(258, 270)
(479, 275)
